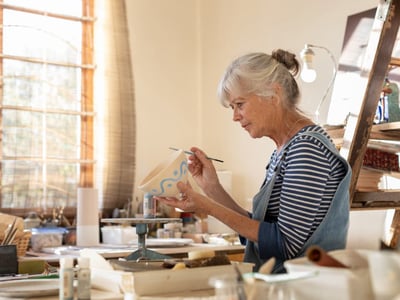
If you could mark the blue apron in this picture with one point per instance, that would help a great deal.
(331, 234)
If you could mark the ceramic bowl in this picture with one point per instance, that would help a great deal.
(162, 180)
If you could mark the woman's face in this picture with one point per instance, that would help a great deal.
(254, 113)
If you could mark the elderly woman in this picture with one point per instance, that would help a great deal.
(304, 199)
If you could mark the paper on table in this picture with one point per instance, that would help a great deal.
(103, 276)
(96, 260)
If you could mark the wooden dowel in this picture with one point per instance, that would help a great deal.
(320, 257)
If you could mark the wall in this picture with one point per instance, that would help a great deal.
(165, 49)
(180, 49)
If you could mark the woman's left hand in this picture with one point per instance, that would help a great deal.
(189, 200)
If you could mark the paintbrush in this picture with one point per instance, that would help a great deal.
(10, 233)
(191, 153)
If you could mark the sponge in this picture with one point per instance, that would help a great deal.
(31, 266)
(199, 254)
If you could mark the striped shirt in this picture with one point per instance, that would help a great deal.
(304, 188)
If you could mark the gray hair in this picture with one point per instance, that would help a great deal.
(254, 73)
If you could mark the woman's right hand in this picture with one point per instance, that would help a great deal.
(203, 170)
(205, 175)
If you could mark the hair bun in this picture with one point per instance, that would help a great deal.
(287, 59)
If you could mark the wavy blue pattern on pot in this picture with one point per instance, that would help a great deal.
(168, 182)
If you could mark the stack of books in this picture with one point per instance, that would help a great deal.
(383, 160)
(376, 163)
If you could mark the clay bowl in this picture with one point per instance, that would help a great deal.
(162, 180)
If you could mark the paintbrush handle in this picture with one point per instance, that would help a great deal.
(12, 236)
(10, 233)
(191, 153)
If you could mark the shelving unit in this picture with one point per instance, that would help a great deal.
(353, 139)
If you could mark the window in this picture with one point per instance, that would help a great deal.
(65, 123)
(46, 98)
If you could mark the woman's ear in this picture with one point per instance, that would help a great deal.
(275, 100)
(277, 95)
(277, 89)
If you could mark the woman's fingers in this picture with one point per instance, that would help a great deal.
(180, 202)
(173, 202)
(200, 155)
(183, 190)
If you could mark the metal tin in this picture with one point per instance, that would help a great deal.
(149, 206)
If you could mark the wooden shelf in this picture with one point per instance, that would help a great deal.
(386, 131)
(384, 172)
(387, 127)
(376, 199)
(395, 62)
(383, 132)
(384, 145)
(336, 133)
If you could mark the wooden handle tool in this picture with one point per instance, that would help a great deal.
(320, 257)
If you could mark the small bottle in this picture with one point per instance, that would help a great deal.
(83, 276)
(66, 278)
(149, 206)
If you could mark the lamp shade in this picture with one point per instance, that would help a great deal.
(308, 73)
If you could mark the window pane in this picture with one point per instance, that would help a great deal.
(21, 134)
(24, 133)
(62, 136)
(24, 185)
(66, 7)
(41, 37)
(41, 86)
(21, 183)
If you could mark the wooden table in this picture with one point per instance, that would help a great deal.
(95, 295)
(234, 252)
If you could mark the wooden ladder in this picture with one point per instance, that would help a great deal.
(360, 121)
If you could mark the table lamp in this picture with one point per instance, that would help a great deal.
(308, 73)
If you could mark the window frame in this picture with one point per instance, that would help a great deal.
(87, 114)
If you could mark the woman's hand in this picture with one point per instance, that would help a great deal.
(203, 170)
(189, 201)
